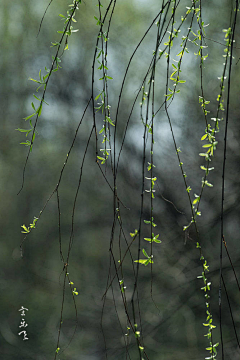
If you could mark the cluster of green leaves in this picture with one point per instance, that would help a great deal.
(144, 96)
(147, 125)
(175, 75)
(210, 148)
(209, 320)
(26, 230)
(74, 291)
(210, 131)
(145, 261)
(154, 238)
(199, 37)
(137, 334)
(103, 105)
(122, 287)
(43, 80)
(107, 121)
(151, 190)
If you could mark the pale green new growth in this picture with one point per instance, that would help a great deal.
(30, 227)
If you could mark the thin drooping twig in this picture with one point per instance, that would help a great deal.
(232, 36)
(60, 176)
(43, 17)
(235, 275)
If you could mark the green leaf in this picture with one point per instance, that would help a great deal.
(141, 261)
(148, 239)
(181, 53)
(39, 110)
(144, 253)
(144, 261)
(204, 137)
(29, 117)
(134, 234)
(27, 143)
(196, 200)
(75, 292)
(26, 230)
(55, 44)
(171, 76)
(207, 145)
(208, 184)
(36, 98)
(103, 160)
(147, 262)
(24, 130)
(37, 81)
(109, 120)
(98, 96)
(169, 96)
(44, 78)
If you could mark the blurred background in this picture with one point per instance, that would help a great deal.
(172, 324)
